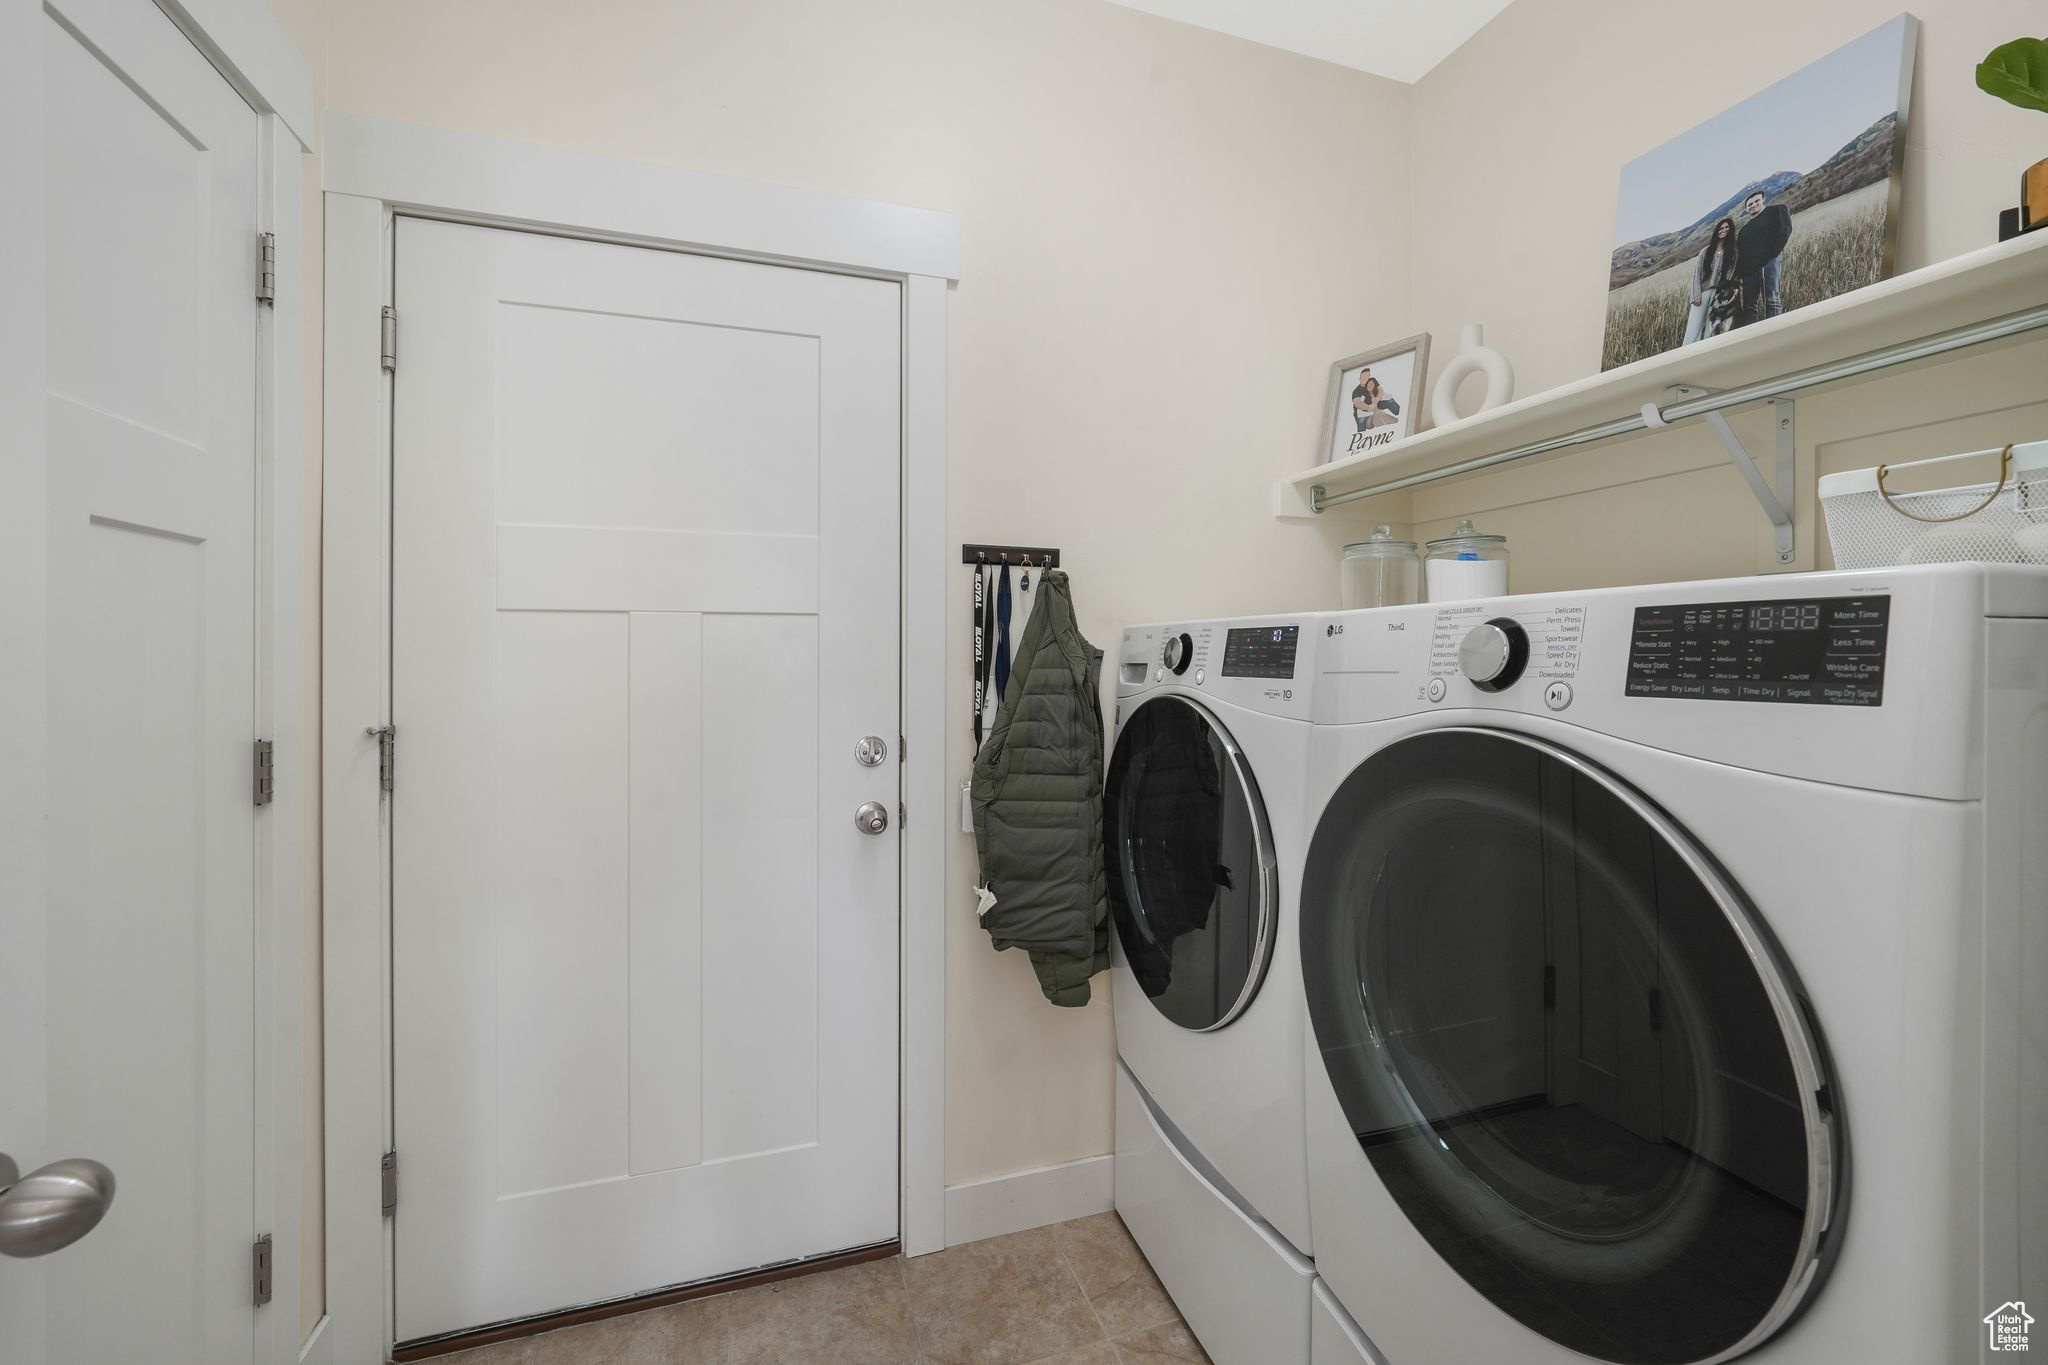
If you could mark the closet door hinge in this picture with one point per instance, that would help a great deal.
(266, 267)
(387, 754)
(259, 1270)
(263, 773)
(389, 355)
(390, 1183)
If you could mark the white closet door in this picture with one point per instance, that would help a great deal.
(149, 197)
(645, 604)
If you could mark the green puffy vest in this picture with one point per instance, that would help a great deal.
(1037, 799)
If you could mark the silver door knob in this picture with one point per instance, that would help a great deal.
(871, 818)
(49, 1209)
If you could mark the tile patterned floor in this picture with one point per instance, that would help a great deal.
(1076, 1293)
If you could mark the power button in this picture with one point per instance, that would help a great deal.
(1557, 696)
(1436, 689)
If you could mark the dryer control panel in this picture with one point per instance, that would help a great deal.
(1820, 651)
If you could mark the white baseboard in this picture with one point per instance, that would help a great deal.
(1029, 1199)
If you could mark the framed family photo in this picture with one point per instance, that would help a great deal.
(1375, 398)
(1789, 197)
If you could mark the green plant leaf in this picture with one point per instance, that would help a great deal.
(2017, 72)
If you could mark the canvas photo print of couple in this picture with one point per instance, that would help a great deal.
(1788, 198)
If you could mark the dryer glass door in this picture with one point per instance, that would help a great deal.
(1571, 1053)
(1192, 879)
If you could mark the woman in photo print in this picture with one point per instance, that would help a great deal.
(1715, 292)
(1385, 410)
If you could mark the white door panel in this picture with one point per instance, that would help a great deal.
(150, 204)
(645, 549)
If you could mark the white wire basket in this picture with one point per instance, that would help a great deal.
(1873, 525)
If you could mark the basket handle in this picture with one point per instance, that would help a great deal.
(2004, 477)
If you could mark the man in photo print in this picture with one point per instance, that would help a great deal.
(1759, 258)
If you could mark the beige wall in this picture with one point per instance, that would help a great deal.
(1166, 238)
(1158, 224)
(1520, 136)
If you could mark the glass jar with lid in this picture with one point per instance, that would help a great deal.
(1466, 564)
(1381, 571)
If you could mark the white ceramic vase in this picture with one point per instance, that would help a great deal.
(1474, 357)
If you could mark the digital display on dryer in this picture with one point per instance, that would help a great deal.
(1260, 652)
(1820, 652)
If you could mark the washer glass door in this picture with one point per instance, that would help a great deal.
(1192, 879)
(1569, 1049)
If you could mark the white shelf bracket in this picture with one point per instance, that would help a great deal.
(1777, 501)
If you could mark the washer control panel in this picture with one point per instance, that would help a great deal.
(1261, 662)
(1825, 651)
(1260, 651)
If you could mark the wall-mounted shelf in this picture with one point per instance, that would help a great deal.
(1998, 292)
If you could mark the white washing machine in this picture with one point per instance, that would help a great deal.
(1204, 831)
(1676, 961)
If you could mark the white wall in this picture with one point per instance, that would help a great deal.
(1520, 137)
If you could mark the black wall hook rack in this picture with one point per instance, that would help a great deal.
(1019, 556)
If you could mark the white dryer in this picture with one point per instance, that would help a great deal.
(1677, 968)
(1334, 1338)
(1204, 833)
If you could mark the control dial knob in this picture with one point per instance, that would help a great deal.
(1493, 655)
(1180, 652)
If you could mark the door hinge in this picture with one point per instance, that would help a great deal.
(390, 1183)
(1656, 1003)
(389, 354)
(902, 749)
(902, 815)
(266, 267)
(387, 754)
(263, 773)
(259, 1270)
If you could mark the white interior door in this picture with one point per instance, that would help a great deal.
(645, 604)
(144, 971)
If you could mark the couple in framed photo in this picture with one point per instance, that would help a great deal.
(1372, 397)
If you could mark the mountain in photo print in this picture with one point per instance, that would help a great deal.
(1788, 198)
